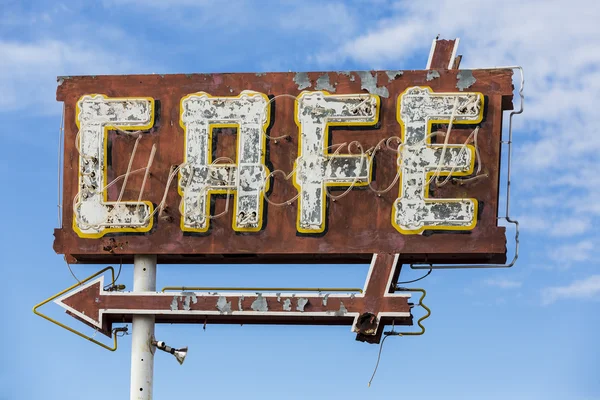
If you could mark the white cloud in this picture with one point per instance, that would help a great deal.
(538, 154)
(503, 283)
(334, 19)
(588, 288)
(331, 21)
(588, 205)
(28, 71)
(570, 227)
(573, 252)
(387, 43)
(29, 66)
(533, 223)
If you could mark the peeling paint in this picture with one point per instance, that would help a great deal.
(465, 79)
(315, 168)
(302, 80)
(260, 304)
(199, 176)
(392, 75)
(324, 84)
(240, 300)
(62, 79)
(302, 302)
(278, 297)
(261, 74)
(188, 298)
(432, 74)
(325, 299)
(93, 215)
(342, 311)
(174, 304)
(223, 305)
(369, 83)
(287, 305)
(412, 211)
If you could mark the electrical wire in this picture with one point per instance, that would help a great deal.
(379, 358)
(230, 177)
(264, 110)
(415, 280)
(147, 172)
(286, 177)
(137, 141)
(194, 210)
(397, 151)
(356, 178)
(120, 332)
(71, 271)
(117, 278)
(445, 146)
(472, 136)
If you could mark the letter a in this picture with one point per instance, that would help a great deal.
(200, 113)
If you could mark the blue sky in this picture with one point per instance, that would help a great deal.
(530, 332)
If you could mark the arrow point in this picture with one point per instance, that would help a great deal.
(83, 302)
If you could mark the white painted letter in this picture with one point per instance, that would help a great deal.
(315, 167)
(94, 215)
(200, 113)
(418, 108)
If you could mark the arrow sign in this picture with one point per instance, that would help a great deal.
(367, 312)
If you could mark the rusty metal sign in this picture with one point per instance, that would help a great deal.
(284, 167)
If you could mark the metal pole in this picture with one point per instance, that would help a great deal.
(142, 331)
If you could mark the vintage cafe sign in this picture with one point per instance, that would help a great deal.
(317, 165)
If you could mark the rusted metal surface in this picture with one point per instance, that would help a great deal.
(354, 227)
(443, 55)
(100, 309)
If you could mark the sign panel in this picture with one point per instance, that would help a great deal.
(284, 167)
